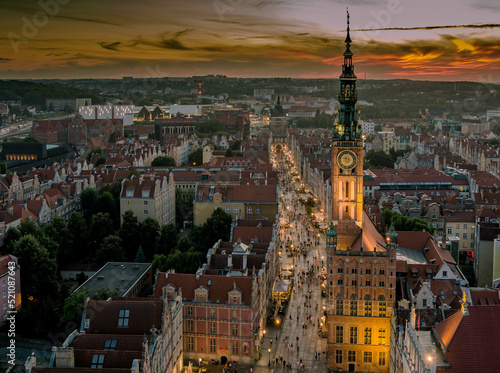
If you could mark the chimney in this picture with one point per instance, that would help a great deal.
(245, 261)
(230, 260)
(65, 357)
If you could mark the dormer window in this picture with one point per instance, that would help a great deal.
(130, 193)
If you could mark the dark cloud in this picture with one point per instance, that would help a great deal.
(110, 46)
(473, 26)
(99, 21)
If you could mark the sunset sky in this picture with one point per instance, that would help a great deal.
(420, 39)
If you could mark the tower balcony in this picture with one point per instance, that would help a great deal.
(347, 144)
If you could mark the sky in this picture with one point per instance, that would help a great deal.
(412, 39)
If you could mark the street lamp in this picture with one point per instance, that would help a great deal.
(269, 356)
(277, 326)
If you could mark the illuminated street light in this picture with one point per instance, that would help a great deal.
(269, 356)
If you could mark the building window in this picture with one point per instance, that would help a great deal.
(450, 231)
(381, 358)
(339, 334)
(339, 305)
(368, 336)
(338, 356)
(228, 209)
(235, 347)
(212, 327)
(257, 209)
(382, 272)
(368, 271)
(340, 282)
(190, 325)
(212, 312)
(145, 203)
(381, 336)
(465, 226)
(381, 284)
(249, 210)
(190, 311)
(340, 270)
(424, 302)
(236, 209)
(212, 345)
(351, 356)
(97, 361)
(368, 283)
(382, 309)
(354, 271)
(110, 344)
(354, 282)
(145, 212)
(190, 344)
(368, 308)
(123, 318)
(235, 314)
(465, 235)
(353, 335)
(367, 357)
(353, 308)
(235, 329)
(445, 273)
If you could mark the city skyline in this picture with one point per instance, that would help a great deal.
(153, 39)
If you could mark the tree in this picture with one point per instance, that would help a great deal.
(150, 229)
(184, 244)
(88, 197)
(196, 157)
(58, 232)
(229, 153)
(159, 263)
(27, 226)
(11, 236)
(78, 236)
(100, 161)
(167, 239)
(104, 294)
(496, 129)
(110, 250)
(3, 168)
(73, 309)
(106, 204)
(101, 226)
(379, 159)
(378, 128)
(236, 145)
(139, 257)
(163, 161)
(38, 276)
(92, 152)
(130, 233)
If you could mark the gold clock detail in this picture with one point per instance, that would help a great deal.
(347, 159)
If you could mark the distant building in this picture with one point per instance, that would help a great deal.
(129, 279)
(61, 104)
(492, 114)
(125, 112)
(236, 122)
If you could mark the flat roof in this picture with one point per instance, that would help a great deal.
(120, 276)
(410, 256)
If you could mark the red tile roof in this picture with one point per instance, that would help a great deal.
(219, 286)
(472, 341)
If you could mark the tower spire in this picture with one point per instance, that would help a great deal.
(348, 37)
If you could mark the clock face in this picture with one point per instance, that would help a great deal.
(347, 159)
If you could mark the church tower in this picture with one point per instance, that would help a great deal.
(347, 147)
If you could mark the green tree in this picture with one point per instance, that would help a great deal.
(163, 161)
(379, 159)
(101, 226)
(196, 157)
(378, 128)
(92, 152)
(78, 236)
(167, 239)
(88, 198)
(140, 257)
(58, 232)
(27, 226)
(39, 276)
(110, 250)
(130, 233)
(236, 145)
(106, 204)
(184, 244)
(73, 309)
(159, 263)
(11, 236)
(100, 161)
(104, 294)
(229, 153)
(150, 230)
(3, 168)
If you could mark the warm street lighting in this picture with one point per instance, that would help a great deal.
(269, 356)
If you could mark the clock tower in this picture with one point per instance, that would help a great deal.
(347, 147)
